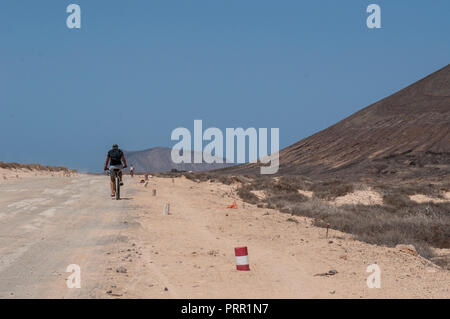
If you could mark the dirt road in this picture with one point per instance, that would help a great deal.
(129, 249)
(49, 223)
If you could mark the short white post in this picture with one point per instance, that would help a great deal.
(166, 209)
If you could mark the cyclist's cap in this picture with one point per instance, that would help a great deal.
(115, 146)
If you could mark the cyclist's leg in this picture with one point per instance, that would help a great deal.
(120, 177)
(112, 184)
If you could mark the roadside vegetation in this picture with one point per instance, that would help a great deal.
(37, 167)
(398, 220)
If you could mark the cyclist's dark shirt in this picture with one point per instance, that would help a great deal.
(115, 156)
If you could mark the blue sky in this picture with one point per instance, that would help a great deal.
(136, 70)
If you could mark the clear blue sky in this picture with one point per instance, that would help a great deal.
(138, 69)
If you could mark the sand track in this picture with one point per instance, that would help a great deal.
(129, 249)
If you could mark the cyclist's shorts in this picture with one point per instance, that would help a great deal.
(119, 167)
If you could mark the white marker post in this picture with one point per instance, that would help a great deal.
(166, 209)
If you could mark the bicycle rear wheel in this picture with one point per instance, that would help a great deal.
(117, 186)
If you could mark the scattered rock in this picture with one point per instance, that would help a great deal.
(121, 270)
(408, 249)
(166, 289)
(213, 253)
(330, 272)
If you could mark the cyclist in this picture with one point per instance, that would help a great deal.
(116, 160)
(131, 170)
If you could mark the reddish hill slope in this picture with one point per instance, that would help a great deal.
(406, 135)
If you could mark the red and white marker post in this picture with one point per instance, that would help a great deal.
(241, 254)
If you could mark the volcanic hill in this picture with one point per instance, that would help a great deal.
(403, 136)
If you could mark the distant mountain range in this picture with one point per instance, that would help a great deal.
(159, 159)
(403, 136)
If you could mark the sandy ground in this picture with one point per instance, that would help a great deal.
(360, 197)
(7, 175)
(130, 249)
(420, 198)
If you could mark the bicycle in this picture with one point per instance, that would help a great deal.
(115, 172)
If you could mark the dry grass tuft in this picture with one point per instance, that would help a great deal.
(36, 167)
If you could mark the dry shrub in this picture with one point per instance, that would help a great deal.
(408, 189)
(397, 200)
(37, 167)
(398, 221)
(247, 195)
(281, 201)
(225, 179)
(443, 261)
(329, 190)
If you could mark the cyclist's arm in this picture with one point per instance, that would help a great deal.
(124, 161)
(106, 163)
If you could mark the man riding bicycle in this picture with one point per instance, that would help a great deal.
(115, 158)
